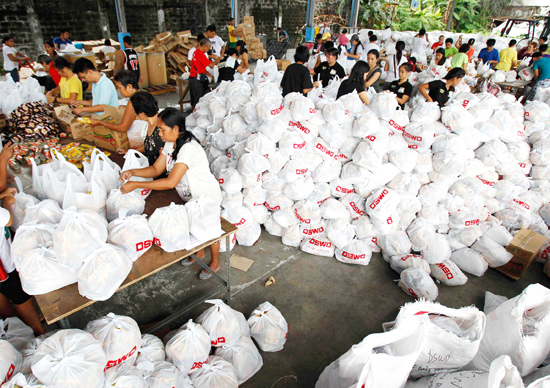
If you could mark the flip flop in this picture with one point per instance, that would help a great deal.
(204, 275)
(187, 262)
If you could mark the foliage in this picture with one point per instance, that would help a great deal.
(469, 15)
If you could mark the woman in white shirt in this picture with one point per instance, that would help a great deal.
(186, 164)
(394, 61)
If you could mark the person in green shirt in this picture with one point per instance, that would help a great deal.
(450, 50)
(460, 59)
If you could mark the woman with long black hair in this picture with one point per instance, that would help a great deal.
(186, 164)
(243, 54)
(356, 81)
(394, 61)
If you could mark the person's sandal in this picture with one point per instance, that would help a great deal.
(187, 262)
(204, 275)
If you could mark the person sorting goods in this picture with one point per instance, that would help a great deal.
(356, 81)
(438, 90)
(186, 163)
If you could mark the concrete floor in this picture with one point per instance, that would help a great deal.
(329, 306)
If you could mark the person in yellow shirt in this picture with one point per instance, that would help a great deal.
(70, 86)
(507, 57)
(233, 38)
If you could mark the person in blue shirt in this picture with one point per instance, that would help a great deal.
(103, 89)
(62, 40)
(541, 68)
(283, 35)
(490, 54)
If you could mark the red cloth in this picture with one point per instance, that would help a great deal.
(470, 53)
(54, 74)
(436, 45)
(199, 63)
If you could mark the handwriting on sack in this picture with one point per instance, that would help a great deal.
(437, 358)
(112, 363)
(143, 245)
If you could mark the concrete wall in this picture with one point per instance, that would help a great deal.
(33, 21)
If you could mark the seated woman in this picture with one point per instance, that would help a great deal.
(186, 164)
(70, 86)
(146, 108)
(231, 65)
(126, 83)
(373, 76)
(243, 54)
(438, 90)
(439, 58)
(356, 81)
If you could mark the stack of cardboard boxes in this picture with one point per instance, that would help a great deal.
(247, 32)
(176, 47)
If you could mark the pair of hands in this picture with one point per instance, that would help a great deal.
(127, 186)
(7, 152)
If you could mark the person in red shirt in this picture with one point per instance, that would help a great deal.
(198, 77)
(471, 51)
(48, 66)
(439, 43)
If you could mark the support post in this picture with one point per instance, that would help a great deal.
(235, 11)
(34, 25)
(450, 19)
(160, 14)
(120, 16)
(310, 21)
(104, 20)
(355, 5)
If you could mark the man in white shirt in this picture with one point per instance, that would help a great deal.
(420, 42)
(218, 48)
(324, 29)
(106, 49)
(372, 45)
(192, 50)
(11, 58)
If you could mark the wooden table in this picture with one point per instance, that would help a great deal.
(60, 304)
(516, 87)
(183, 86)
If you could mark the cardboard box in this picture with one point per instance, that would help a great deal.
(525, 245)
(248, 20)
(282, 64)
(107, 138)
(68, 122)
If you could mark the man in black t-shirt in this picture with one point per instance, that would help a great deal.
(297, 78)
(227, 72)
(402, 88)
(330, 68)
(131, 61)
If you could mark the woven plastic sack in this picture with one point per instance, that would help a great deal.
(40, 272)
(519, 328)
(188, 350)
(103, 272)
(221, 322)
(454, 336)
(215, 373)
(120, 338)
(70, 358)
(268, 327)
(170, 227)
(244, 357)
(399, 263)
(132, 233)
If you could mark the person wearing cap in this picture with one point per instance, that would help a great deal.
(354, 48)
(319, 46)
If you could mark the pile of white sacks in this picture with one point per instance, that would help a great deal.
(215, 352)
(81, 228)
(430, 345)
(439, 191)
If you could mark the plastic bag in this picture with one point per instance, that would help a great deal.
(70, 358)
(120, 337)
(45, 212)
(133, 202)
(103, 271)
(334, 112)
(382, 203)
(356, 252)
(22, 200)
(437, 250)
(40, 272)
(106, 170)
(508, 331)
(10, 361)
(248, 234)
(204, 218)
(470, 261)
(92, 195)
(268, 327)
(188, 350)
(495, 254)
(30, 236)
(221, 322)
(132, 234)
(399, 263)
(166, 375)
(384, 104)
(418, 284)
(125, 376)
(448, 273)
(215, 373)
(302, 109)
(78, 234)
(136, 160)
(170, 226)
(152, 350)
(14, 331)
(244, 357)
